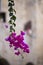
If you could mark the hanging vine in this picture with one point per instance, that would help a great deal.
(16, 41)
(11, 15)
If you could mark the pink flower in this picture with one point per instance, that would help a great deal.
(18, 42)
(17, 53)
(22, 33)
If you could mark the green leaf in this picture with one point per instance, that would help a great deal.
(10, 28)
(10, 9)
(14, 11)
(10, 14)
(10, 21)
(9, 0)
(10, 4)
(13, 29)
(12, 1)
(14, 24)
(13, 18)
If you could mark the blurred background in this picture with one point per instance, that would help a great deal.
(29, 15)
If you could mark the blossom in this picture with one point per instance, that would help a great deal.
(22, 33)
(17, 53)
(17, 41)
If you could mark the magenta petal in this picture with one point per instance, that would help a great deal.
(10, 45)
(13, 34)
(15, 48)
(22, 33)
(19, 38)
(27, 50)
(24, 51)
(6, 39)
(17, 53)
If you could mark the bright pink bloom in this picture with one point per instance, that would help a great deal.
(18, 42)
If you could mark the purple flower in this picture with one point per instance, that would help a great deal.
(6, 39)
(19, 38)
(15, 48)
(22, 33)
(27, 50)
(18, 42)
(17, 53)
(10, 45)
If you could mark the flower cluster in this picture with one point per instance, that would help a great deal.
(17, 41)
